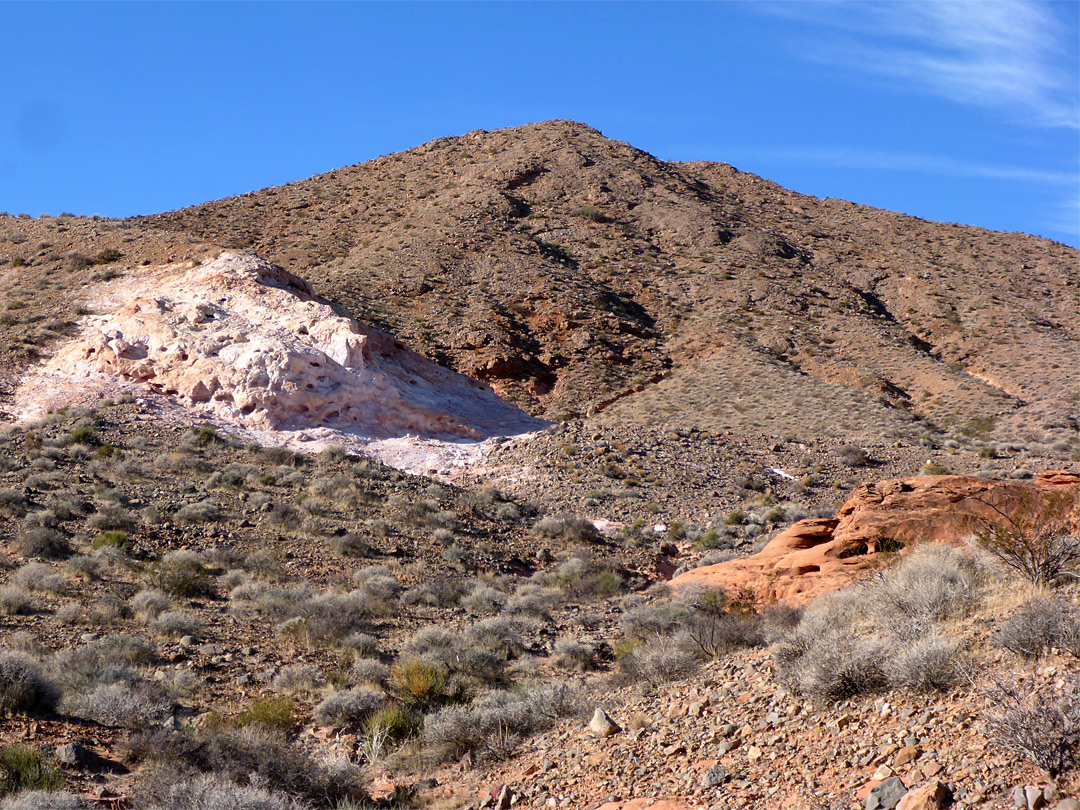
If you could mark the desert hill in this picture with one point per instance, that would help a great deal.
(569, 270)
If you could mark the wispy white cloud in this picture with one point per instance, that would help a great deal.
(875, 160)
(1014, 55)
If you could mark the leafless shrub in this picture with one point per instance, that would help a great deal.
(40, 541)
(658, 661)
(349, 707)
(484, 599)
(23, 686)
(120, 704)
(573, 654)
(568, 528)
(147, 604)
(926, 664)
(369, 670)
(1043, 726)
(176, 623)
(15, 600)
(212, 790)
(1038, 625)
(299, 678)
(654, 619)
(435, 644)
(531, 599)
(1036, 541)
(932, 583)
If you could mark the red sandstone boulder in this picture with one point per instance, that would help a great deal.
(818, 555)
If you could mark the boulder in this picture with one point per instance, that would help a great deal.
(824, 554)
(931, 796)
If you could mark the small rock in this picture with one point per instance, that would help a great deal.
(886, 795)
(715, 776)
(1067, 804)
(72, 754)
(602, 725)
(931, 796)
(1034, 797)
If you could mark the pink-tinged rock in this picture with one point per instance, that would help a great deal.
(824, 554)
(644, 804)
(242, 342)
(932, 796)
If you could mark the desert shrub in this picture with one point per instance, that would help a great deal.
(204, 511)
(41, 541)
(148, 603)
(176, 623)
(1038, 625)
(499, 635)
(376, 585)
(108, 660)
(661, 660)
(484, 599)
(84, 567)
(568, 528)
(330, 616)
(269, 712)
(350, 544)
(437, 592)
(23, 686)
(932, 583)
(369, 670)
(570, 653)
(113, 538)
(12, 503)
(38, 577)
(24, 769)
(254, 755)
(299, 678)
(531, 599)
(925, 664)
(360, 644)
(387, 726)
(120, 704)
(433, 643)
(833, 666)
(1043, 726)
(423, 686)
(180, 573)
(211, 790)
(44, 799)
(15, 600)
(716, 627)
(654, 619)
(1036, 541)
(84, 435)
(349, 707)
(492, 727)
(852, 456)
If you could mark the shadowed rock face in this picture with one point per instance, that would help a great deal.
(246, 343)
(819, 555)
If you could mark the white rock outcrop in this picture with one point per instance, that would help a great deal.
(242, 342)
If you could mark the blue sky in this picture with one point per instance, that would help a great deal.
(961, 112)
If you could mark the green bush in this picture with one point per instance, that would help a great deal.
(113, 538)
(23, 768)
